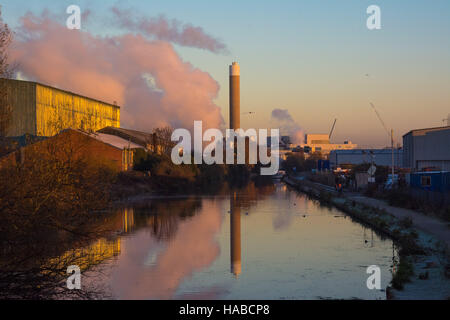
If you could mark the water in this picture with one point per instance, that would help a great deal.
(258, 243)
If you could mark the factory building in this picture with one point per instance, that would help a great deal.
(106, 150)
(380, 157)
(40, 110)
(427, 149)
(321, 143)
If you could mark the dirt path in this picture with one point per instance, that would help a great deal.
(430, 225)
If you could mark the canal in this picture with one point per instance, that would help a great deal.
(266, 242)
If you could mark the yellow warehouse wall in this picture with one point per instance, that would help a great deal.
(21, 97)
(57, 110)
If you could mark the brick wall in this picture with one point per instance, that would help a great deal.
(70, 145)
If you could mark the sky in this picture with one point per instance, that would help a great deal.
(316, 59)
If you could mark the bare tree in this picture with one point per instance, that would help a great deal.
(51, 201)
(163, 139)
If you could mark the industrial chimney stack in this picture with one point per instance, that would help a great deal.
(235, 97)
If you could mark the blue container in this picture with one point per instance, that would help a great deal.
(438, 181)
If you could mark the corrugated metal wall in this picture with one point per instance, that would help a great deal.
(427, 147)
(383, 158)
(57, 110)
(44, 111)
(408, 150)
(21, 96)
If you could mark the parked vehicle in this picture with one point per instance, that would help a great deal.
(390, 183)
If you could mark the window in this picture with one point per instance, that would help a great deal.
(426, 181)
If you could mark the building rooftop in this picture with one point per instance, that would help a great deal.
(114, 141)
(138, 137)
(426, 130)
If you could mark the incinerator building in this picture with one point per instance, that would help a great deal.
(41, 110)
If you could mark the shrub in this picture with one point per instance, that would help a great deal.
(406, 222)
(403, 274)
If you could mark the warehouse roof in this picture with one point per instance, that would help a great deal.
(426, 130)
(114, 141)
(138, 137)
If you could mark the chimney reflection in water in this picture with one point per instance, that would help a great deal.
(235, 236)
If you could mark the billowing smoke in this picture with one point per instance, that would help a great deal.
(287, 125)
(161, 28)
(147, 77)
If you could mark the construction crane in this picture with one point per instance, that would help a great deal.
(379, 117)
(332, 129)
(390, 134)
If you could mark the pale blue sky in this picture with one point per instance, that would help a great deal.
(311, 57)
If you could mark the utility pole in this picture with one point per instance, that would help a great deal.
(392, 146)
(448, 121)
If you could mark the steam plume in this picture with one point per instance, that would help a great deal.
(161, 28)
(146, 77)
(288, 126)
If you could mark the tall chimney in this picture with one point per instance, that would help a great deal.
(235, 97)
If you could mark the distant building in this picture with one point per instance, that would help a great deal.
(427, 148)
(380, 157)
(321, 143)
(108, 150)
(41, 110)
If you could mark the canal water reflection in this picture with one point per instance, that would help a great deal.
(266, 242)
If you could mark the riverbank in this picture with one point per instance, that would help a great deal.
(424, 268)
